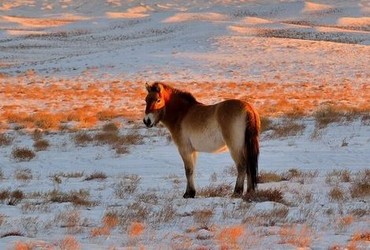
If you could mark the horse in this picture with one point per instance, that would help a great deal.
(195, 127)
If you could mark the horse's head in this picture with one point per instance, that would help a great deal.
(155, 104)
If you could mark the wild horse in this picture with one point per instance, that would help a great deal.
(195, 127)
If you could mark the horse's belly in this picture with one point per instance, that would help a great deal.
(208, 141)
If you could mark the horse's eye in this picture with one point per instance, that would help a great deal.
(158, 100)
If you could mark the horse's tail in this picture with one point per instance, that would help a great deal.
(252, 146)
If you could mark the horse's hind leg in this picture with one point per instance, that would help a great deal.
(189, 164)
(239, 185)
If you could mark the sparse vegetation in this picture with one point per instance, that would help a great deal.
(96, 176)
(287, 127)
(336, 194)
(221, 190)
(77, 198)
(11, 198)
(24, 174)
(299, 236)
(41, 145)
(5, 140)
(360, 187)
(127, 185)
(274, 195)
(22, 154)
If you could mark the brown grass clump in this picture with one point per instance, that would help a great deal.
(336, 194)
(336, 176)
(24, 174)
(69, 243)
(274, 195)
(327, 115)
(44, 120)
(5, 140)
(41, 145)
(361, 236)
(265, 177)
(220, 190)
(110, 127)
(203, 217)
(296, 236)
(360, 186)
(96, 176)
(77, 198)
(287, 128)
(126, 186)
(82, 138)
(11, 198)
(23, 154)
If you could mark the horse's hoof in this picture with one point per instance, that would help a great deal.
(189, 195)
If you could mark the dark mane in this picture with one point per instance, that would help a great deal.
(188, 97)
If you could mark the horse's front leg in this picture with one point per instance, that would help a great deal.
(189, 159)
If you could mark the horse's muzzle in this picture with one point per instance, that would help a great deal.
(148, 123)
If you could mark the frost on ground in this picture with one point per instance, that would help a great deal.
(79, 170)
(82, 191)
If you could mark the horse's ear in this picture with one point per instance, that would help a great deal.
(158, 88)
(147, 86)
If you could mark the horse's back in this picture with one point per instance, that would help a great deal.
(210, 128)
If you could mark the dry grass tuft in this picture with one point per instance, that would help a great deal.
(274, 195)
(327, 115)
(203, 217)
(77, 198)
(24, 174)
(126, 186)
(23, 154)
(96, 176)
(220, 190)
(5, 140)
(360, 187)
(296, 236)
(287, 128)
(11, 198)
(336, 194)
(336, 176)
(110, 127)
(82, 138)
(265, 177)
(361, 236)
(41, 145)
(69, 243)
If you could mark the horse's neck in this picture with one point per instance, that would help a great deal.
(176, 109)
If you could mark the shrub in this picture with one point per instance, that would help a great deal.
(41, 145)
(82, 138)
(110, 127)
(23, 154)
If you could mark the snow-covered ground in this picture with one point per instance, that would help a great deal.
(218, 44)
